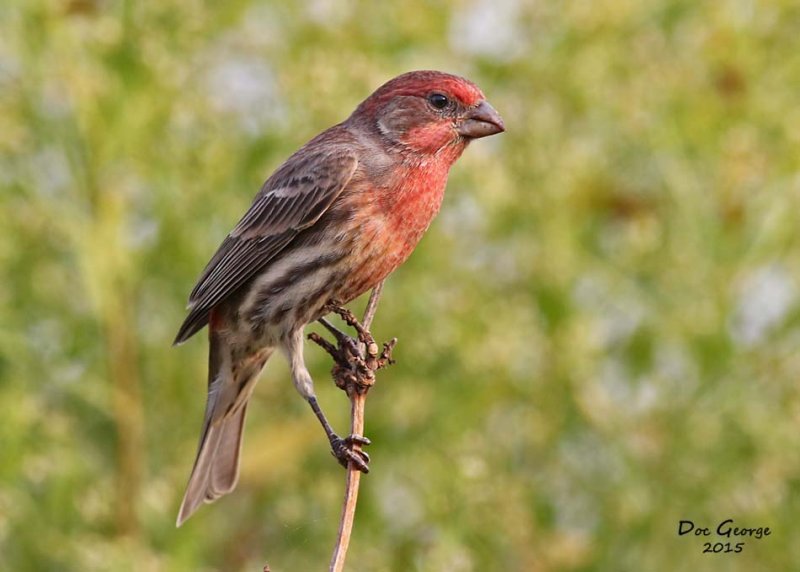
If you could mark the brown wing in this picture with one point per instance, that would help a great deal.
(292, 199)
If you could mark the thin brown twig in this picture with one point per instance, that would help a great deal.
(352, 482)
(358, 396)
(372, 306)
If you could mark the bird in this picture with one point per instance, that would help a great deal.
(333, 221)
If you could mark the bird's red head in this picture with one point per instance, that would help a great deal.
(426, 112)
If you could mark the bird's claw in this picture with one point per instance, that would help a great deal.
(350, 319)
(344, 452)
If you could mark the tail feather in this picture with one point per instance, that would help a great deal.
(224, 472)
(216, 467)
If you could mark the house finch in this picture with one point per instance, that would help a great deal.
(332, 222)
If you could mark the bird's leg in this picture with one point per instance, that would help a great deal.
(356, 360)
(343, 449)
(366, 360)
(347, 345)
(344, 354)
(336, 307)
(337, 333)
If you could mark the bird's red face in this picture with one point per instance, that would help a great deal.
(426, 112)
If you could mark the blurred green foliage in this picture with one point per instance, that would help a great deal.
(598, 336)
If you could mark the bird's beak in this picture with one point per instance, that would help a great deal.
(481, 121)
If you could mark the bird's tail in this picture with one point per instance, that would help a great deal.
(216, 468)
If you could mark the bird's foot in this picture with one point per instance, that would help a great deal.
(346, 453)
(356, 358)
(347, 346)
(350, 319)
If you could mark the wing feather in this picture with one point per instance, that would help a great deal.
(292, 199)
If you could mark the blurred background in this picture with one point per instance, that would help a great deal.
(598, 336)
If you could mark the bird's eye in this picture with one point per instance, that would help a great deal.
(438, 100)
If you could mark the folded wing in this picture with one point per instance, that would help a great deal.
(292, 199)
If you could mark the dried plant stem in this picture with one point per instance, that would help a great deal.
(372, 306)
(353, 479)
(357, 392)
